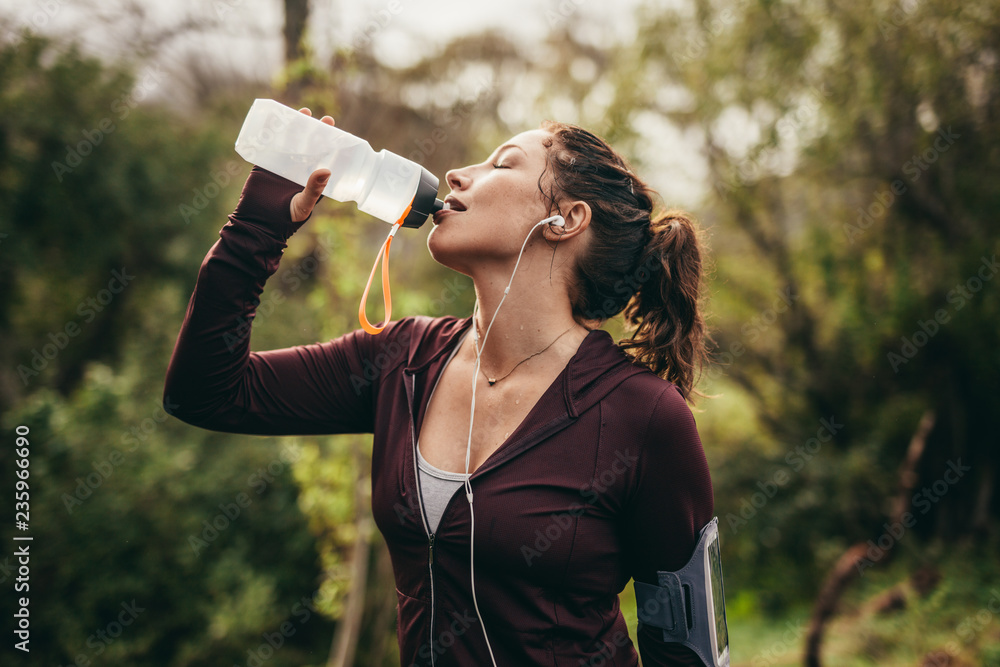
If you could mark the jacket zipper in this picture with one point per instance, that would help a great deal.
(423, 518)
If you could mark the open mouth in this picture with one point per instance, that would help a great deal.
(451, 205)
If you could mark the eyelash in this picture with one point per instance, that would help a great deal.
(497, 165)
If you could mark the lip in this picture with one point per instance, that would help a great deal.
(439, 215)
(454, 203)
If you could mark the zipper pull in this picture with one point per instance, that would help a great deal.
(431, 554)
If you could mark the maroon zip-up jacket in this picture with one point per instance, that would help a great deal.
(604, 480)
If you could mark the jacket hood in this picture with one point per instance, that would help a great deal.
(598, 366)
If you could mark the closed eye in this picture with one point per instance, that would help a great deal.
(497, 165)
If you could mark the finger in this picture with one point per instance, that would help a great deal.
(317, 181)
(303, 203)
(306, 111)
(328, 120)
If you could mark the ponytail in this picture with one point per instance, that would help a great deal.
(648, 266)
(670, 334)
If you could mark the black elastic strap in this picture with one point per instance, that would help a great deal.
(663, 606)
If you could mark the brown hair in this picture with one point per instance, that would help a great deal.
(649, 267)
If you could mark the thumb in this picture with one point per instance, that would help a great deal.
(303, 203)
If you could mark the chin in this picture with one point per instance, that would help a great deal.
(446, 252)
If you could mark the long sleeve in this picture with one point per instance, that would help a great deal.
(213, 379)
(671, 502)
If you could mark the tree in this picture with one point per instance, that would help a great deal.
(853, 216)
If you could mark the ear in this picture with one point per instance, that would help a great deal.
(577, 217)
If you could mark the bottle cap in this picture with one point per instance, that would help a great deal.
(425, 201)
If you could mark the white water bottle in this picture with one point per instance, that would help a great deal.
(293, 145)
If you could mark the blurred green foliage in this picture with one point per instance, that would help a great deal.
(129, 506)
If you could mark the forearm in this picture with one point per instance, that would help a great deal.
(206, 375)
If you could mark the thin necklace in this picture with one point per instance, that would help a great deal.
(493, 381)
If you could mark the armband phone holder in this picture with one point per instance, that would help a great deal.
(689, 605)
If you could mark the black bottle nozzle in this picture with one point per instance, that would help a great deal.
(425, 201)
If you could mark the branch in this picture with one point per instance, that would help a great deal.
(848, 565)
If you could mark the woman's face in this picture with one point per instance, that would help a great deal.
(493, 205)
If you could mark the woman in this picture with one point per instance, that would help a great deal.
(584, 464)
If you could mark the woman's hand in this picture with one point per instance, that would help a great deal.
(303, 203)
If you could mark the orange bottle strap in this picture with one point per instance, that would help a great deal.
(383, 254)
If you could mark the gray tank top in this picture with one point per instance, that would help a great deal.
(436, 489)
(437, 486)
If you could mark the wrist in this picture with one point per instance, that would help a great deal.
(266, 200)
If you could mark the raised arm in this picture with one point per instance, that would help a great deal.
(213, 379)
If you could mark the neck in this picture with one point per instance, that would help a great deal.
(532, 316)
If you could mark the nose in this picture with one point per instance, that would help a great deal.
(457, 179)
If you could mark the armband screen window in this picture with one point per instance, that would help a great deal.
(720, 638)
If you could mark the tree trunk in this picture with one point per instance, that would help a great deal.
(345, 641)
(296, 18)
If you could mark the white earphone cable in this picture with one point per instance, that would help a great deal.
(472, 414)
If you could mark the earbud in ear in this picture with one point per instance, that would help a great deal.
(556, 220)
